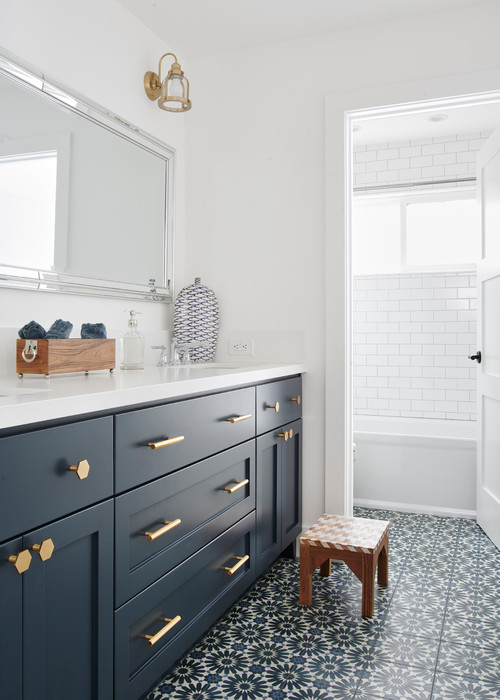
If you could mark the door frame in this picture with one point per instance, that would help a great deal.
(341, 110)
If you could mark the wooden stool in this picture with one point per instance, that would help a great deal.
(360, 542)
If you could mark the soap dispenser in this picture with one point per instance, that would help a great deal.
(132, 345)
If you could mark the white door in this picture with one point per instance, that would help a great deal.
(488, 280)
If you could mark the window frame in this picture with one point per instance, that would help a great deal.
(404, 198)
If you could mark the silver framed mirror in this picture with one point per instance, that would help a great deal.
(86, 199)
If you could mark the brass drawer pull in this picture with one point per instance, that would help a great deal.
(169, 525)
(164, 443)
(238, 485)
(284, 435)
(152, 639)
(231, 570)
(238, 419)
(276, 406)
(82, 469)
(297, 400)
(45, 550)
(21, 561)
(290, 433)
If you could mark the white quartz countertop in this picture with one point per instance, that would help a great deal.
(32, 399)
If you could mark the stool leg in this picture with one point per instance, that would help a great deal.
(383, 564)
(326, 568)
(368, 585)
(306, 570)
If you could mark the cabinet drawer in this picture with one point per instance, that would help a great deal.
(194, 501)
(203, 427)
(278, 403)
(37, 484)
(198, 591)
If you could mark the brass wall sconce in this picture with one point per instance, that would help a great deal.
(173, 93)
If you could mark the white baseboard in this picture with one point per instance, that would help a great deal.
(416, 508)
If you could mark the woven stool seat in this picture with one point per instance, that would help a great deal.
(363, 544)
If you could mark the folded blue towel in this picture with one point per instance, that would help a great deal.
(59, 329)
(93, 330)
(32, 331)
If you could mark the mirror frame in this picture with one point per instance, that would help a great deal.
(47, 280)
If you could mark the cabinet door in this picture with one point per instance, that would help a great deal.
(68, 609)
(11, 587)
(268, 508)
(279, 492)
(291, 489)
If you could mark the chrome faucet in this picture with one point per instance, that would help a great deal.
(183, 349)
(163, 359)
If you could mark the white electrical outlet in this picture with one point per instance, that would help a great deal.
(241, 346)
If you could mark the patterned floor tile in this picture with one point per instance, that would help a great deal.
(430, 599)
(461, 630)
(395, 681)
(448, 687)
(470, 661)
(413, 622)
(269, 647)
(475, 607)
(406, 650)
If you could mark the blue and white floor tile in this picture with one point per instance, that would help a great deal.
(435, 633)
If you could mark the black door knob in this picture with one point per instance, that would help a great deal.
(477, 357)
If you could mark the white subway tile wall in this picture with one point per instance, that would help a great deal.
(413, 334)
(443, 157)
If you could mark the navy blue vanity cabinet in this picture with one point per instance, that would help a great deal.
(46, 474)
(124, 537)
(11, 617)
(162, 523)
(56, 562)
(68, 609)
(152, 442)
(156, 627)
(291, 484)
(278, 403)
(279, 469)
(57, 614)
(279, 490)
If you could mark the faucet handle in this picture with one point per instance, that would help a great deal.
(163, 359)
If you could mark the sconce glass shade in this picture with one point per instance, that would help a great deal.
(173, 92)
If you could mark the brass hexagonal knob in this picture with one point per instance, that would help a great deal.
(82, 469)
(45, 549)
(21, 561)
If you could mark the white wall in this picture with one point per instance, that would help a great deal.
(412, 335)
(256, 190)
(255, 168)
(451, 157)
(101, 51)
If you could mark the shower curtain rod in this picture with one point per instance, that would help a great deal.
(402, 185)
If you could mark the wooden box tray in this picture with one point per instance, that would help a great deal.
(60, 356)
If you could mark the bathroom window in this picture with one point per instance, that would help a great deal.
(394, 234)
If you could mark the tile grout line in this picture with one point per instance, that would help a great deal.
(445, 610)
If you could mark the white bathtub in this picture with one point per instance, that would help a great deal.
(418, 465)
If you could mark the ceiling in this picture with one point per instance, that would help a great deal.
(472, 119)
(194, 28)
